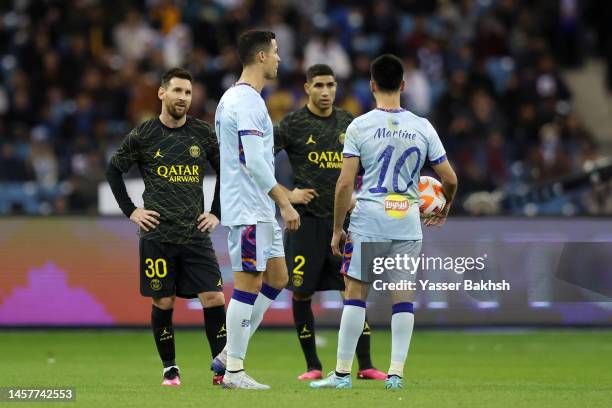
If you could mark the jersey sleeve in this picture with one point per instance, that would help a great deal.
(211, 145)
(251, 121)
(253, 148)
(212, 154)
(351, 146)
(435, 151)
(128, 152)
(349, 115)
(281, 131)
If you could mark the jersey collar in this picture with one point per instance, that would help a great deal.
(244, 83)
(311, 113)
(187, 120)
(398, 110)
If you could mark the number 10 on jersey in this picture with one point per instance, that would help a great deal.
(385, 157)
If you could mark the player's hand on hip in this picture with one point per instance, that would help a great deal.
(291, 217)
(145, 219)
(302, 195)
(338, 238)
(207, 222)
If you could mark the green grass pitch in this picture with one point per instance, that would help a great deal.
(445, 369)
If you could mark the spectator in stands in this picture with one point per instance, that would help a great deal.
(134, 37)
(12, 167)
(42, 160)
(485, 73)
(417, 94)
(324, 48)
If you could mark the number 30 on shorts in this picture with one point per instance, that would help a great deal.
(156, 267)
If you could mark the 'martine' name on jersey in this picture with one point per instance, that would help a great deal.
(392, 146)
(242, 112)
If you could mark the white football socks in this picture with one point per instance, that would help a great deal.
(266, 296)
(351, 327)
(238, 323)
(402, 324)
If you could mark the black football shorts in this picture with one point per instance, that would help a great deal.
(183, 270)
(311, 264)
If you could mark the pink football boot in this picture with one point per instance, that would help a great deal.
(311, 375)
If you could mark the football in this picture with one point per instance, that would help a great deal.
(431, 197)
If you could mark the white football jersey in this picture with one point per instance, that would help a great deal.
(392, 146)
(242, 113)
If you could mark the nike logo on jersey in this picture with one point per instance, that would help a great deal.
(310, 140)
(158, 154)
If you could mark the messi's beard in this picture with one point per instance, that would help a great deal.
(173, 112)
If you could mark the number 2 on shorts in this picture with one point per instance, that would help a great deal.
(300, 261)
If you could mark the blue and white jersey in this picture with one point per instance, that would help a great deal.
(242, 113)
(392, 146)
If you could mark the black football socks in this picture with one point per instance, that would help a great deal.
(214, 325)
(304, 324)
(163, 332)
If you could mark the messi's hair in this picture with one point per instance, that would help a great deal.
(318, 69)
(175, 73)
(251, 42)
(387, 72)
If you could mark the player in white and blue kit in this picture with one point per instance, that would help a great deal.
(385, 149)
(248, 194)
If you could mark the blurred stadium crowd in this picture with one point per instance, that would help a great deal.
(76, 76)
